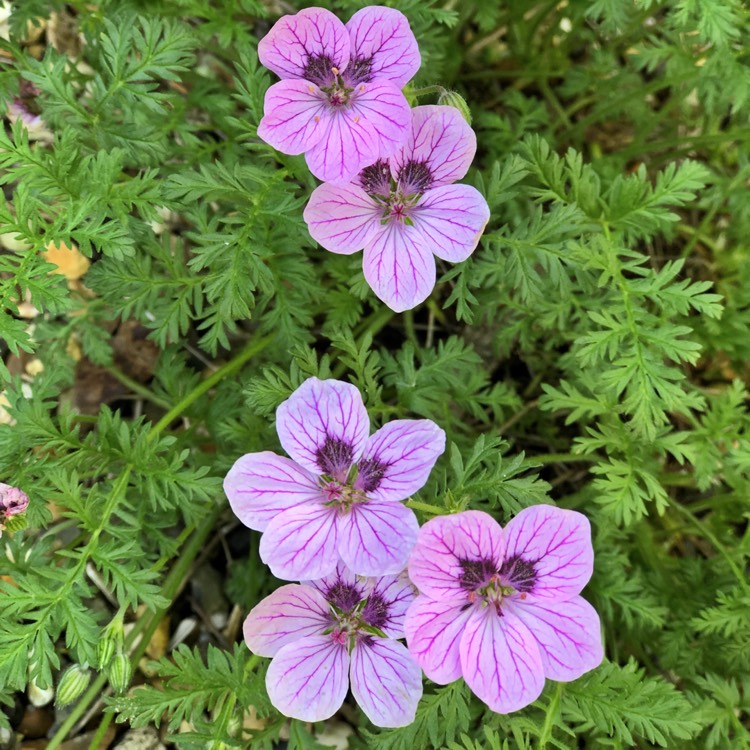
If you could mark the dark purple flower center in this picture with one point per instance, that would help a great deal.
(320, 70)
(414, 177)
(476, 573)
(344, 596)
(375, 612)
(359, 71)
(371, 472)
(518, 573)
(376, 179)
(334, 457)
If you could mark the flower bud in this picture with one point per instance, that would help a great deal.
(120, 672)
(12, 501)
(105, 650)
(454, 99)
(72, 684)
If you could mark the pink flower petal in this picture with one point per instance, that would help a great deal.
(349, 144)
(296, 117)
(342, 218)
(383, 46)
(396, 593)
(288, 614)
(383, 106)
(386, 682)
(433, 632)
(500, 660)
(450, 220)
(399, 269)
(308, 679)
(441, 140)
(568, 635)
(398, 458)
(376, 538)
(262, 485)
(323, 426)
(301, 543)
(294, 41)
(557, 543)
(445, 541)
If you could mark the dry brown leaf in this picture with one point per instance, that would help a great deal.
(70, 262)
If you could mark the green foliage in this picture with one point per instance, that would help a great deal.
(592, 353)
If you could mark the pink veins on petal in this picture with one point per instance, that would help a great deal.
(339, 100)
(501, 607)
(339, 496)
(329, 633)
(404, 211)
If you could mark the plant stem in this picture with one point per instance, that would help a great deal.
(551, 715)
(426, 507)
(234, 364)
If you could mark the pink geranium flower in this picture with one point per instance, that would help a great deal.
(500, 607)
(404, 211)
(12, 501)
(324, 634)
(340, 100)
(338, 497)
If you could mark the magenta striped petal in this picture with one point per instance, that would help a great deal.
(342, 218)
(382, 39)
(349, 144)
(296, 117)
(308, 679)
(557, 543)
(444, 542)
(398, 458)
(290, 613)
(385, 108)
(398, 268)
(441, 140)
(261, 485)
(294, 41)
(568, 635)
(386, 682)
(433, 631)
(301, 543)
(450, 220)
(323, 426)
(375, 538)
(500, 660)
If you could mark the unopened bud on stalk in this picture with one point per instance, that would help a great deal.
(72, 684)
(120, 672)
(454, 99)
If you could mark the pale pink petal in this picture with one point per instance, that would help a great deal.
(296, 117)
(398, 458)
(288, 614)
(308, 679)
(323, 426)
(386, 682)
(376, 538)
(450, 220)
(399, 269)
(382, 46)
(387, 602)
(552, 549)
(568, 635)
(442, 141)
(350, 143)
(444, 543)
(294, 44)
(261, 485)
(340, 577)
(342, 217)
(384, 107)
(500, 660)
(301, 543)
(433, 632)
